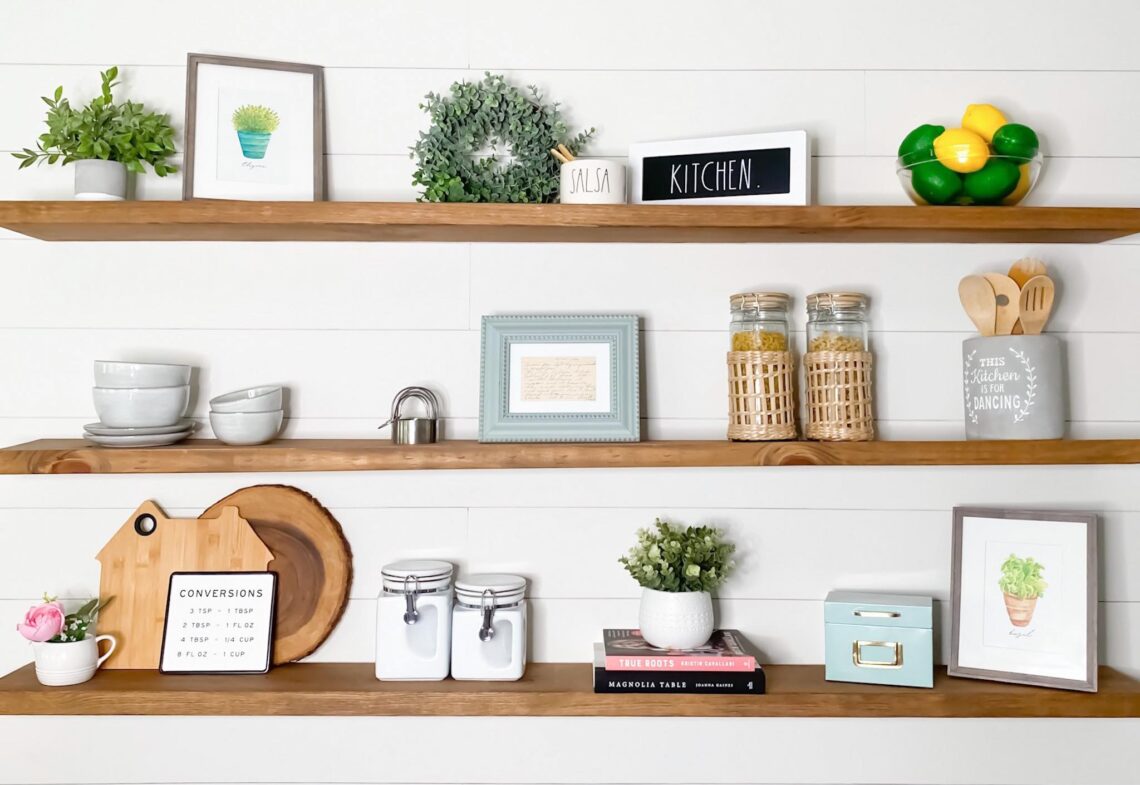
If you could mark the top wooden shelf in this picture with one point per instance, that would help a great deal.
(547, 690)
(76, 456)
(672, 223)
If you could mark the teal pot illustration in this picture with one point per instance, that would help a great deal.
(254, 143)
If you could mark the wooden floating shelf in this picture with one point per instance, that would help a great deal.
(76, 456)
(547, 690)
(661, 223)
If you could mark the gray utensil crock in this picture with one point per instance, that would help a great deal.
(97, 180)
(1013, 387)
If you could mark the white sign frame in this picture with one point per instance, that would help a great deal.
(219, 597)
(799, 183)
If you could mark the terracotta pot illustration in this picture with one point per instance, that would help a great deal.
(1020, 610)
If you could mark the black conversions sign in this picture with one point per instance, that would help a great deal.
(717, 174)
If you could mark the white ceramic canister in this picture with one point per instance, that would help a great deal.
(488, 630)
(413, 621)
(592, 181)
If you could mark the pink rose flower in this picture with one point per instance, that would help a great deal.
(42, 622)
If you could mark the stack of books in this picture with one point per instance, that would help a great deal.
(726, 665)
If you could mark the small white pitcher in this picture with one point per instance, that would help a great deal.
(74, 662)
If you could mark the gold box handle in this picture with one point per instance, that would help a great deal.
(878, 614)
(857, 654)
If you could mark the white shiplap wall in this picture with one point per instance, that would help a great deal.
(346, 325)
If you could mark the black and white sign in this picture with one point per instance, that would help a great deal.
(770, 168)
(219, 622)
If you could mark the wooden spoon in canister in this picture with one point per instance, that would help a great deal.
(980, 302)
(1021, 271)
(1036, 304)
(1024, 269)
(1008, 295)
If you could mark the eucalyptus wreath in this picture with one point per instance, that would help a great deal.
(491, 114)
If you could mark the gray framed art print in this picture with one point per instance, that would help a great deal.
(560, 379)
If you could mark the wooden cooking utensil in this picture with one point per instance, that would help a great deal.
(1036, 304)
(980, 302)
(1024, 269)
(1021, 271)
(310, 556)
(1008, 294)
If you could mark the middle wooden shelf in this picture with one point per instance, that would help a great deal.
(75, 456)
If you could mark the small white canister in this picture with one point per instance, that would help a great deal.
(413, 621)
(488, 635)
(592, 181)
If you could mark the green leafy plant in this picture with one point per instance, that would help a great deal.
(252, 118)
(1021, 578)
(124, 132)
(676, 558)
(491, 114)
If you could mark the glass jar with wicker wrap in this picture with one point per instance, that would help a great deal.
(761, 376)
(838, 368)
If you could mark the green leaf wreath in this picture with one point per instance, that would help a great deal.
(491, 113)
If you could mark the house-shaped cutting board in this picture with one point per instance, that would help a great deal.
(137, 562)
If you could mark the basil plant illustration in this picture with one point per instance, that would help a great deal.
(1022, 585)
(254, 125)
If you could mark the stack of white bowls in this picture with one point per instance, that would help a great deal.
(250, 416)
(140, 404)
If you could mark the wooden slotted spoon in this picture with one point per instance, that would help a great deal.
(1007, 294)
(1021, 271)
(1036, 304)
(980, 302)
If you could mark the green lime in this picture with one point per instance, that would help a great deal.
(935, 183)
(919, 144)
(1016, 141)
(994, 181)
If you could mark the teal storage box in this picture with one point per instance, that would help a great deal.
(879, 638)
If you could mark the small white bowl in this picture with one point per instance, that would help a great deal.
(246, 427)
(123, 376)
(252, 399)
(149, 407)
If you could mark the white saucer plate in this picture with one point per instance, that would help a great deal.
(99, 429)
(146, 440)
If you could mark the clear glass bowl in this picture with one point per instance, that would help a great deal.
(1030, 171)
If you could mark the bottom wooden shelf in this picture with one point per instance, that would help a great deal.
(547, 690)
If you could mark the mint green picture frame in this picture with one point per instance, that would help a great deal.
(621, 424)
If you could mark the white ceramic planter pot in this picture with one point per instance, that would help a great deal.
(62, 664)
(676, 620)
(97, 180)
(592, 181)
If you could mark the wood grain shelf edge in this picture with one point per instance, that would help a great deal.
(553, 690)
(76, 456)
(208, 220)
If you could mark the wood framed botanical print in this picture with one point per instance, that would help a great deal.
(1024, 590)
(560, 379)
(254, 130)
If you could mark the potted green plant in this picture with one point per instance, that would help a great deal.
(104, 140)
(254, 125)
(678, 568)
(1022, 585)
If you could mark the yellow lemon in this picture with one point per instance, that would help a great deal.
(1022, 188)
(983, 119)
(960, 150)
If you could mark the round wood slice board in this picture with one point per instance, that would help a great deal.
(310, 556)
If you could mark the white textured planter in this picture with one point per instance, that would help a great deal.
(63, 664)
(97, 180)
(676, 620)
